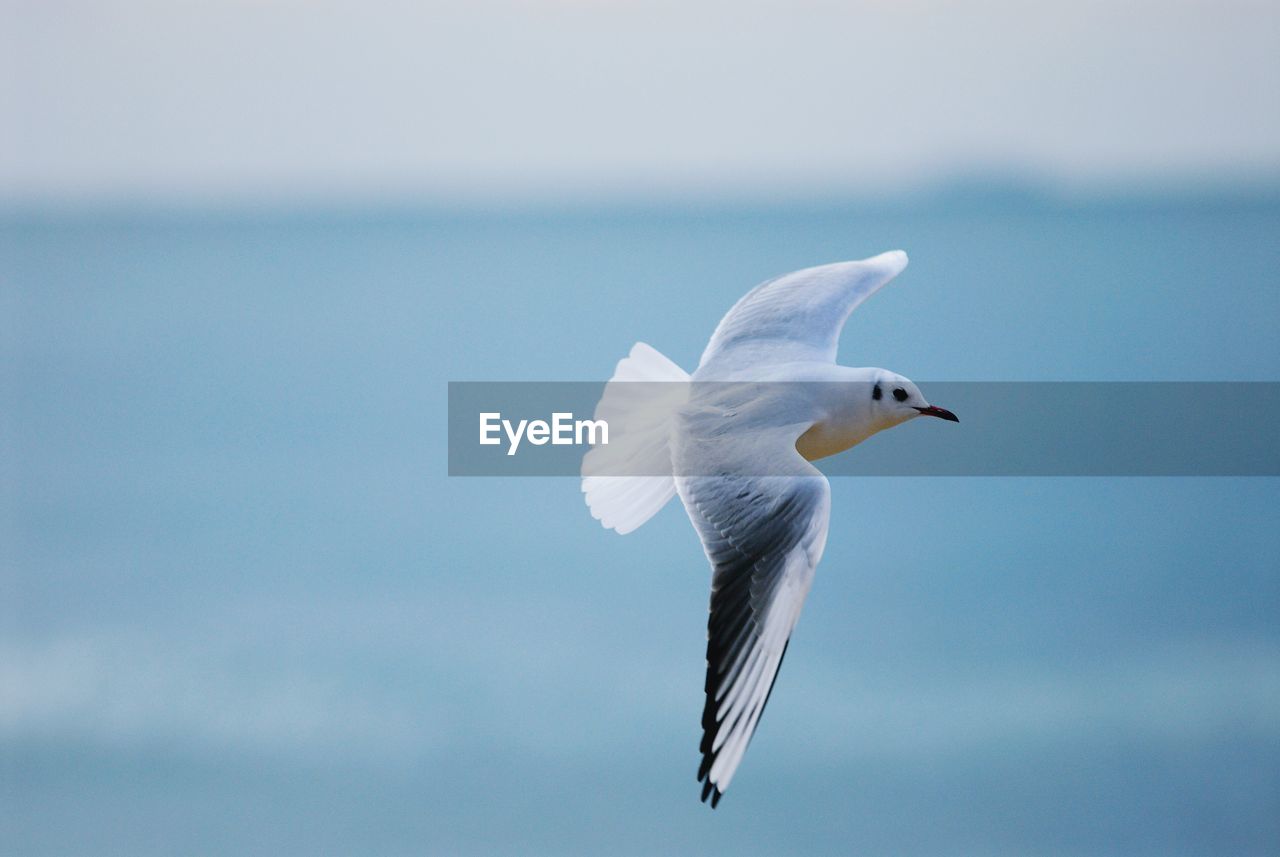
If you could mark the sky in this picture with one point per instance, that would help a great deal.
(502, 99)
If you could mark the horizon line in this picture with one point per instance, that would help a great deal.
(960, 189)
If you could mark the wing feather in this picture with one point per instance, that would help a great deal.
(763, 536)
(798, 316)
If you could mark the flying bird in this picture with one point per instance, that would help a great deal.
(735, 440)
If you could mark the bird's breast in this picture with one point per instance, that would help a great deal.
(830, 437)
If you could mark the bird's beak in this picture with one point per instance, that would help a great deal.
(940, 413)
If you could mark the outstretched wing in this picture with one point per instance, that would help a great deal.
(764, 536)
(798, 316)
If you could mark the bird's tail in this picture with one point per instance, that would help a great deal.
(644, 412)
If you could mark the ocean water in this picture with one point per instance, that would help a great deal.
(245, 610)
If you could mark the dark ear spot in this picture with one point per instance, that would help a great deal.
(875, 392)
(900, 394)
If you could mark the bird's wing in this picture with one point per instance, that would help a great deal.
(764, 536)
(798, 316)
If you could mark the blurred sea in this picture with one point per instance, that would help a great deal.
(244, 611)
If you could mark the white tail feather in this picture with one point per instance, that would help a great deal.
(644, 412)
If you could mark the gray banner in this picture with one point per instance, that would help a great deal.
(1005, 429)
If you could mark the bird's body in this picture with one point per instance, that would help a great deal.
(735, 442)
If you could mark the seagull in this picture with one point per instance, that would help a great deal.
(735, 440)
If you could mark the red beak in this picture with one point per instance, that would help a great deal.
(940, 413)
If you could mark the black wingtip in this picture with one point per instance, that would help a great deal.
(710, 791)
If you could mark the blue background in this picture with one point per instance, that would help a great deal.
(246, 611)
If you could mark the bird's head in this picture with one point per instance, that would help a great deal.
(895, 399)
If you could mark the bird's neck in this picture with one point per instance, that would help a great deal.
(848, 415)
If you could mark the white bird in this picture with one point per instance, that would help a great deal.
(737, 450)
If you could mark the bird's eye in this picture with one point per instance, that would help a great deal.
(900, 394)
(875, 392)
